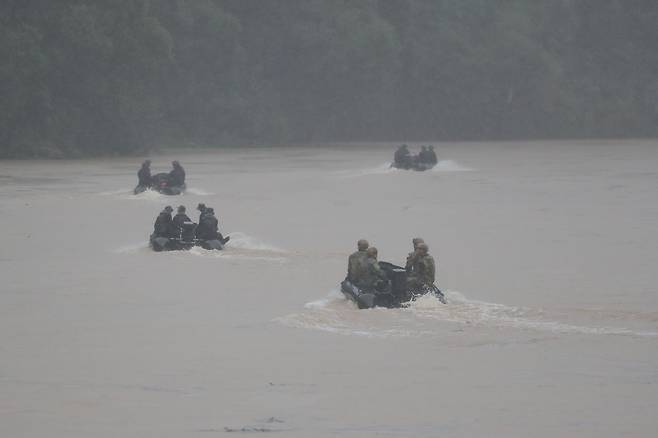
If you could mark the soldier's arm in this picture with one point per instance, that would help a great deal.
(379, 271)
(410, 261)
(428, 269)
(432, 270)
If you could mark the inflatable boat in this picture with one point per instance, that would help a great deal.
(161, 183)
(393, 293)
(413, 164)
(185, 240)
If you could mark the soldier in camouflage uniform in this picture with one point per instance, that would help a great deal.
(422, 269)
(432, 155)
(412, 255)
(402, 156)
(357, 261)
(162, 226)
(372, 275)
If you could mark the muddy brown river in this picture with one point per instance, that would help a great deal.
(547, 253)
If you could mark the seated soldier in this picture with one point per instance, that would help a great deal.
(179, 220)
(412, 255)
(402, 156)
(202, 210)
(208, 228)
(177, 174)
(163, 222)
(432, 155)
(373, 277)
(144, 174)
(423, 269)
(356, 261)
(423, 155)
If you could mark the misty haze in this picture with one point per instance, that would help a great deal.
(328, 218)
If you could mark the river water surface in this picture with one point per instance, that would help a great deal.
(547, 252)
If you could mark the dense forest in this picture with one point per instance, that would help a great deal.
(92, 77)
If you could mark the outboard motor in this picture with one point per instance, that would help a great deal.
(398, 277)
(188, 231)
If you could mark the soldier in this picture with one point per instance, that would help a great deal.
(423, 268)
(179, 219)
(177, 174)
(373, 275)
(144, 174)
(162, 224)
(432, 155)
(208, 225)
(202, 210)
(356, 261)
(208, 228)
(423, 155)
(402, 156)
(412, 255)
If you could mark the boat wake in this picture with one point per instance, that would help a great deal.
(134, 248)
(450, 166)
(481, 313)
(383, 169)
(379, 170)
(197, 192)
(338, 315)
(240, 247)
(152, 195)
(244, 241)
(147, 195)
(127, 194)
(229, 254)
(116, 192)
(335, 314)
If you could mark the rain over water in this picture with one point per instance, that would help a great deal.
(546, 251)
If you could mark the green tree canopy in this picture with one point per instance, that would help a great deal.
(90, 77)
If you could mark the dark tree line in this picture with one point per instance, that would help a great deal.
(85, 77)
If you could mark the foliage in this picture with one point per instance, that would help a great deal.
(91, 77)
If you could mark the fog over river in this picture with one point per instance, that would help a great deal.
(547, 253)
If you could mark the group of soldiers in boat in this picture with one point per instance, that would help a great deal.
(172, 227)
(363, 269)
(425, 159)
(171, 183)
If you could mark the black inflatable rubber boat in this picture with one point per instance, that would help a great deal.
(413, 164)
(161, 183)
(186, 240)
(392, 294)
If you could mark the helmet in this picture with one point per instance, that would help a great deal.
(181, 209)
(168, 209)
(362, 244)
(416, 241)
